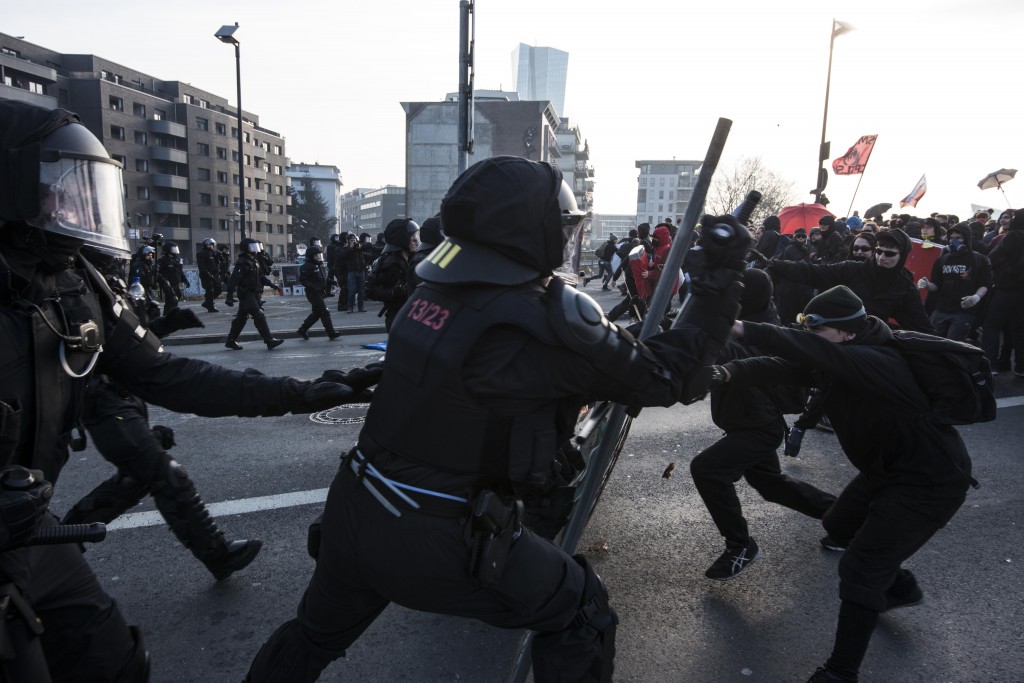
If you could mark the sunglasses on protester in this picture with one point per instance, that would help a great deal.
(886, 252)
(801, 237)
(813, 321)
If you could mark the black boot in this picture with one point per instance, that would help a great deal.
(233, 345)
(303, 332)
(260, 321)
(236, 329)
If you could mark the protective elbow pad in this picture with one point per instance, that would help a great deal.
(579, 323)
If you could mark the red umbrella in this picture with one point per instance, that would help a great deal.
(802, 216)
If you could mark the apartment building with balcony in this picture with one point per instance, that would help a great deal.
(664, 189)
(178, 145)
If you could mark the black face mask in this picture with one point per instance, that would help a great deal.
(50, 251)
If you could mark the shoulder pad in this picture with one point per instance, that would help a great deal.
(577, 319)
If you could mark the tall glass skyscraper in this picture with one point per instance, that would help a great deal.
(541, 74)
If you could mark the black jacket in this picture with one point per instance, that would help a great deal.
(879, 413)
(313, 276)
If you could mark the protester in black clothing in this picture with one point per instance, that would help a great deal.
(632, 300)
(960, 278)
(331, 259)
(313, 278)
(913, 471)
(60, 190)
(830, 248)
(169, 266)
(752, 418)
(208, 261)
(885, 286)
(791, 297)
(862, 247)
(487, 368)
(431, 236)
(389, 277)
(771, 243)
(1006, 309)
(351, 270)
(247, 281)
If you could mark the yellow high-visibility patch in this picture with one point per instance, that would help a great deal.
(449, 256)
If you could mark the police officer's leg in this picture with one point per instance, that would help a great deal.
(85, 638)
(238, 323)
(108, 501)
(311, 318)
(320, 310)
(259, 319)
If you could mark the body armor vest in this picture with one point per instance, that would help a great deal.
(422, 410)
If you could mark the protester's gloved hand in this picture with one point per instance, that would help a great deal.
(794, 439)
(165, 435)
(719, 375)
(360, 379)
(724, 241)
(922, 283)
(970, 301)
(24, 495)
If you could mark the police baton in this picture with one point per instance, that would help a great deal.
(615, 418)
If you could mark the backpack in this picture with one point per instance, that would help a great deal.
(955, 376)
(602, 251)
(374, 289)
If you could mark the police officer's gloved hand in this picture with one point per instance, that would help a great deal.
(24, 495)
(165, 435)
(321, 395)
(360, 379)
(724, 242)
(176, 319)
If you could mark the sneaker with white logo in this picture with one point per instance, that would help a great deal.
(734, 560)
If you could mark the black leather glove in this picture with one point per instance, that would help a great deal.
(24, 495)
(321, 395)
(360, 379)
(176, 319)
(724, 242)
(165, 435)
(719, 375)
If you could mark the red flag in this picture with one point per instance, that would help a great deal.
(915, 194)
(856, 158)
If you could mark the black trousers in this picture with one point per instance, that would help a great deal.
(1004, 316)
(370, 558)
(319, 312)
(212, 290)
(881, 526)
(249, 305)
(85, 638)
(751, 454)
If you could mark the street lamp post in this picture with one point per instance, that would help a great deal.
(838, 29)
(226, 35)
(231, 231)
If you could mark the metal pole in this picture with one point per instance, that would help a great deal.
(241, 157)
(465, 104)
(617, 416)
(818, 189)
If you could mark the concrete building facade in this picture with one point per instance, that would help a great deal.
(178, 145)
(664, 189)
(327, 179)
(371, 209)
(525, 129)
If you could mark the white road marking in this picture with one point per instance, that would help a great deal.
(286, 500)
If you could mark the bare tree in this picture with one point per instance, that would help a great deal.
(729, 188)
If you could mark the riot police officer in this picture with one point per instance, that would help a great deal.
(487, 367)
(389, 279)
(431, 236)
(331, 258)
(60, 322)
(224, 265)
(170, 269)
(313, 278)
(247, 281)
(208, 261)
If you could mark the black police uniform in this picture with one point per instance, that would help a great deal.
(169, 267)
(247, 282)
(208, 260)
(505, 367)
(313, 278)
(391, 284)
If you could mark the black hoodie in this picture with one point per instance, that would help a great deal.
(959, 272)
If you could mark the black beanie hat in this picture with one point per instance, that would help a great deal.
(757, 292)
(826, 222)
(839, 307)
(772, 223)
(801, 231)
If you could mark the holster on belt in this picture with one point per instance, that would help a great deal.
(494, 525)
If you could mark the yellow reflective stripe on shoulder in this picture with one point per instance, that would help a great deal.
(449, 256)
(436, 255)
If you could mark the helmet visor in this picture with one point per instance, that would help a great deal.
(83, 198)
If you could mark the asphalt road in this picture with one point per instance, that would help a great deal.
(266, 478)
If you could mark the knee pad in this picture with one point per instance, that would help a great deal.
(173, 481)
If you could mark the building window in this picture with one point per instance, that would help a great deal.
(206, 223)
(222, 152)
(121, 159)
(223, 223)
(234, 178)
(141, 138)
(661, 194)
(159, 115)
(278, 189)
(205, 199)
(234, 155)
(259, 226)
(222, 176)
(142, 192)
(277, 150)
(221, 128)
(248, 137)
(139, 110)
(222, 200)
(202, 124)
(248, 162)
(662, 183)
(204, 104)
(117, 133)
(142, 165)
(234, 132)
(202, 149)
(202, 174)
(116, 103)
(143, 219)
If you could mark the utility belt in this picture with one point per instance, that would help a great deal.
(494, 522)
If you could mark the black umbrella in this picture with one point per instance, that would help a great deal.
(877, 210)
(996, 179)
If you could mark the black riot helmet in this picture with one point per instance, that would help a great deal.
(57, 177)
(209, 242)
(431, 233)
(336, 238)
(507, 221)
(249, 246)
(399, 233)
(313, 252)
(315, 242)
(169, 249)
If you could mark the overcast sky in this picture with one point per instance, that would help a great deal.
(938, 81)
